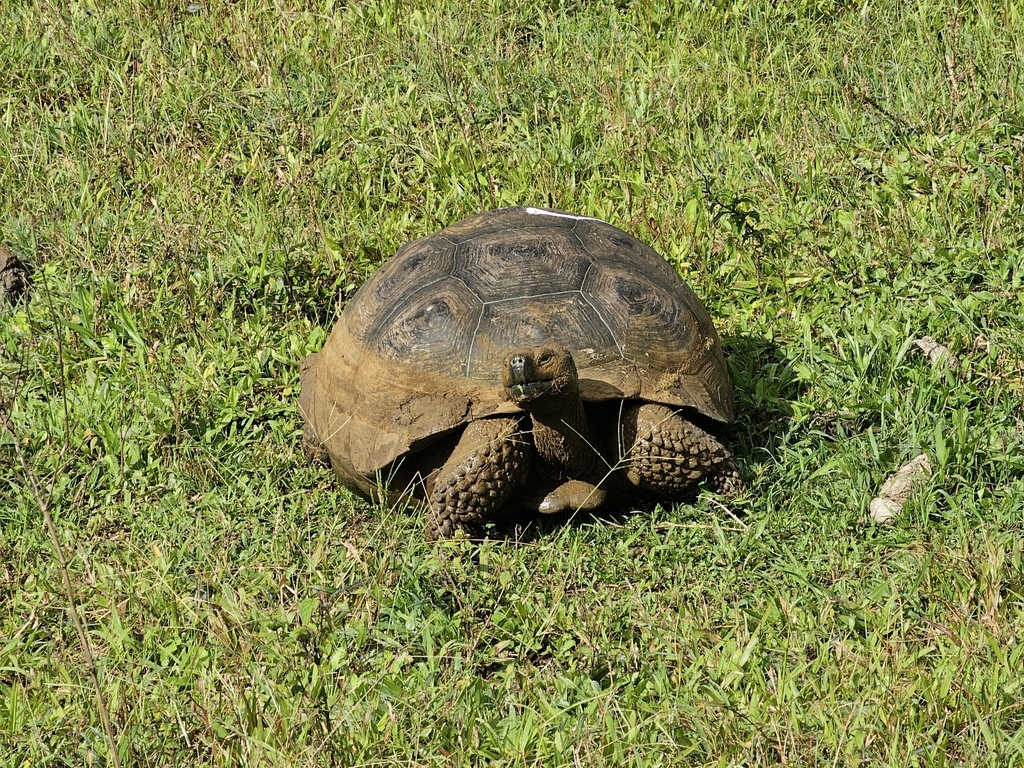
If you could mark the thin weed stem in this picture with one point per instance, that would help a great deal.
(83, 637)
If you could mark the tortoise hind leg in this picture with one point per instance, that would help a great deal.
(668, 456)
(489, 463)
(558, 497)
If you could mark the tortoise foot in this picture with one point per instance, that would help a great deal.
(666, 455)
(489, 463)
(568, 496)
(572, 496)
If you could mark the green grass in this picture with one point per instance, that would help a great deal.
(199, 187)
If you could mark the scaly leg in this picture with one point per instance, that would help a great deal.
(668, 456)
(489, 463)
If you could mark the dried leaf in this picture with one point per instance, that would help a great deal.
(936, 352)
(894, 493)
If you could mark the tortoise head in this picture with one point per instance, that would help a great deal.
(538, 375)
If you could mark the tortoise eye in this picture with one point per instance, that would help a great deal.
(544, 359)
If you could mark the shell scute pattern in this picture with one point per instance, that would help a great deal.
(415, 268)
(563, 317)
(434, 327)
(496, 268)
(467, 296)
(647, 318)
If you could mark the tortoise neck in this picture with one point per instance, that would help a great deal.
(562, 437)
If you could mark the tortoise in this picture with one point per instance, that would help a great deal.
(522, 358)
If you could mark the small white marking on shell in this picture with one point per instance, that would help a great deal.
(542, 212)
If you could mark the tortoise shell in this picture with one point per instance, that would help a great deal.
(418, 350)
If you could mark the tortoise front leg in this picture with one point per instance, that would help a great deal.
(489, 463)
(668, 456)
